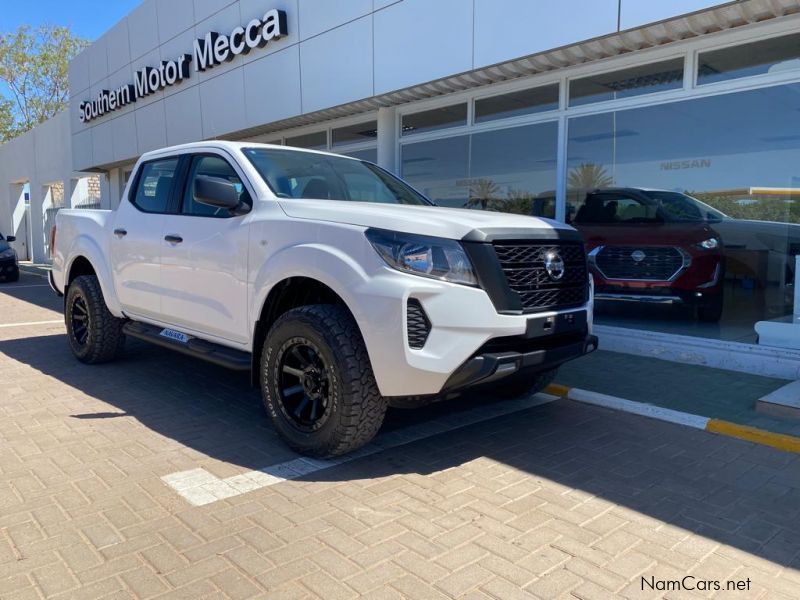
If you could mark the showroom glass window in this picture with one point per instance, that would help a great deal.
(774, 55)
(435, 119)
(737, 154)
(508, 170)
(311, 141)
(626, 83)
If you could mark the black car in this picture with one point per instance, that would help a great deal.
(9, 269)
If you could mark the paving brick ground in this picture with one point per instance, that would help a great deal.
(562, 500)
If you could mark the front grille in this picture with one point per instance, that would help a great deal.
(523, 265)
(649, 263)
(419, 327)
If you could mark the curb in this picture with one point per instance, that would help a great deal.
(787, 443)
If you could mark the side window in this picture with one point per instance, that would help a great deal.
(154, 185)
(607, 209)
(211, 166)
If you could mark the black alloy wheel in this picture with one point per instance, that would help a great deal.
(79, 316)
(303, 384)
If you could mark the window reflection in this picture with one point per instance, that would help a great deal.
(677, 176)
(635, 81)
(765, 56)
(509, 170)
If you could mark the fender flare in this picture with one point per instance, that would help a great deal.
(326, 264)
(84, 246)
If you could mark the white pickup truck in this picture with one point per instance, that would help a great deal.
(339, 287)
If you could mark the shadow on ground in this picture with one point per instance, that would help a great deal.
(29, 290)
(730, 491)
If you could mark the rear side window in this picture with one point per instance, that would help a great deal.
(154, 184)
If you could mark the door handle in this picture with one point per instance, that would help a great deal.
(120, 232)
(173, 239)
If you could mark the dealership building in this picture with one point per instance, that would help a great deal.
(512, 105)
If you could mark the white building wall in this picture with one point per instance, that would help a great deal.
(40, 158)
(334, 53)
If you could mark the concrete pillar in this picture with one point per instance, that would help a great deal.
(38, 193)
(106, 195)
(387, 139)
(14, 220)
(116, 186)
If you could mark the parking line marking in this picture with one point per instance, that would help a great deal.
(200, 488)
(30, 323)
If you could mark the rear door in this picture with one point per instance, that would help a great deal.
(204, 257)
(136, 240)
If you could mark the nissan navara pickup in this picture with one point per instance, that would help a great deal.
(340, 288)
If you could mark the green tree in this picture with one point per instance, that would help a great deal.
(589, 176)
(34, 70)
(483, 194)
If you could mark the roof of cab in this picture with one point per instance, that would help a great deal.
(229, 146)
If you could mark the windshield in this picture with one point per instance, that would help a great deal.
(680, 207)
(648, 206)
(311, 176)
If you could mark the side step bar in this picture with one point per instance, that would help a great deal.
(208, 351)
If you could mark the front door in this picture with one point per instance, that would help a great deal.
(136, 240)
(204, 259)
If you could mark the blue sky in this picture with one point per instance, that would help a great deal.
(88, 18)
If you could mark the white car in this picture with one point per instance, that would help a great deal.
(341, 288)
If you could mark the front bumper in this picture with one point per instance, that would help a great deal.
(491, 367)
(659, 296)
(8, 267)
(464, 324)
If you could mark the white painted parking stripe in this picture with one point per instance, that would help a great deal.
(199, 487)
(638, 408)
(31, 323)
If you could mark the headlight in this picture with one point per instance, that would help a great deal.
(708, 244)
(8, 253)
(433, 257)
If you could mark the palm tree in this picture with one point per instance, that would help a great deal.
(589, 176)
(483, 194)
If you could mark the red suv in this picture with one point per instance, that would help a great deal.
(653, 246)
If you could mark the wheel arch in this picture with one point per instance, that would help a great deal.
(86, 258)
(289, 293)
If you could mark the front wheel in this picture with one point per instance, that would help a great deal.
(317, 382)
(522, 384)
(95, 335)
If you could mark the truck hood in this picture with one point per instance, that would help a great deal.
(452, 223)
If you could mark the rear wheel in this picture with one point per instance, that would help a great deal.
(95, 335)
(521, 384)
(317, 382)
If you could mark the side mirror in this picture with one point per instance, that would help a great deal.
(11, 238)
(216, 192)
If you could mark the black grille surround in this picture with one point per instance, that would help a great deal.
(640, 263)
(513, 273)
(417, 323)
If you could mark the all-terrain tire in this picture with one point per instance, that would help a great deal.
(519, 385)
(356, 407)
(104, 339)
